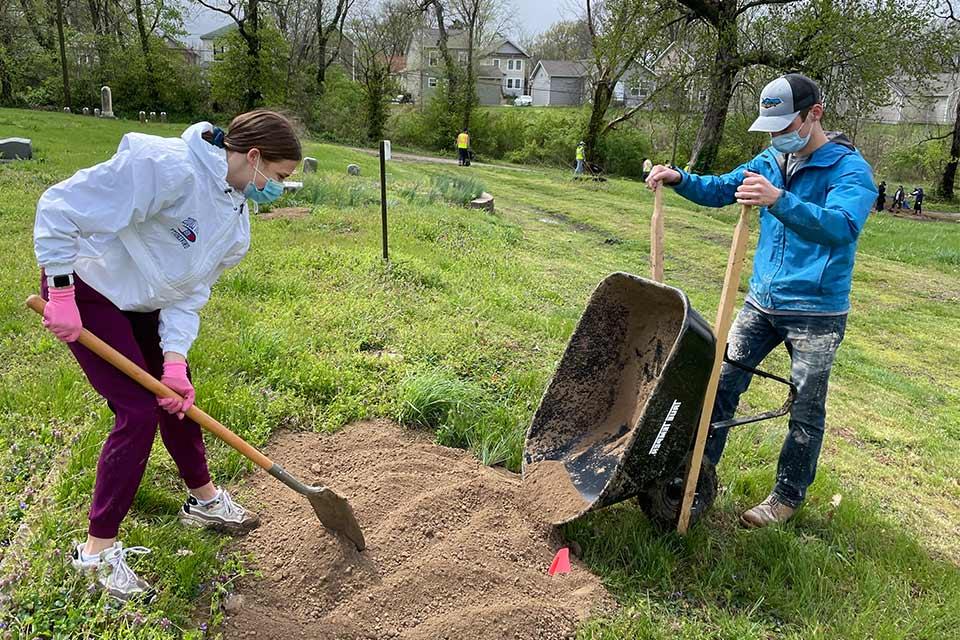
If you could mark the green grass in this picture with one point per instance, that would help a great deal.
(460, 334)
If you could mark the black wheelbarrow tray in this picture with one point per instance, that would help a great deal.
(619, 416)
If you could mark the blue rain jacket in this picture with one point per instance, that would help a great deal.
(808, 238)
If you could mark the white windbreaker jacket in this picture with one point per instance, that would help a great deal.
(151, 228)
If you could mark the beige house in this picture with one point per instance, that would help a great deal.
(501, 66)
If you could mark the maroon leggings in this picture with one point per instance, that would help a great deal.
(127, 448)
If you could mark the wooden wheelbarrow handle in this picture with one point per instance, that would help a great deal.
(159, 389)
(728, 296)
(656, 236)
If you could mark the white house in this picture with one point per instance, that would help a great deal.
(559, 82)
(935, 103)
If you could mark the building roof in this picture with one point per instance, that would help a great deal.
(456, 38)
(489, 71)
(221, 31)
(563, 68)
(500, 41)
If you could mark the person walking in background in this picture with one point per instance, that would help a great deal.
(463, 148)
(581, 159)
(917, 200)
(898, 197)
(881, 196)
(647, 168)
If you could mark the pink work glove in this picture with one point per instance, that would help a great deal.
(175, 377)
(61, 315)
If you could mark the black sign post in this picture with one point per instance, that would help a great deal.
(384, 156)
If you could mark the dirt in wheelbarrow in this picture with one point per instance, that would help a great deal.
(454, 549)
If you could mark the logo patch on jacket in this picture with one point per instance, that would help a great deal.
(186, 233)
(767, 103)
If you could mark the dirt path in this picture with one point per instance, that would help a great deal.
(453, 548)
(411, 157)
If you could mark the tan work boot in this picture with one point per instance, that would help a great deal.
(770, 511)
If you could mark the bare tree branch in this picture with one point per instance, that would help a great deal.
(760, 3)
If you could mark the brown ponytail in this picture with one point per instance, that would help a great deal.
(267, 131)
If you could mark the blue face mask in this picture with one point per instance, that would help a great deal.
(791, 142)
(270, 192)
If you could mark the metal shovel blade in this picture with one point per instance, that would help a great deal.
(331, 508)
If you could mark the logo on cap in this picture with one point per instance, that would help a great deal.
(767, 103)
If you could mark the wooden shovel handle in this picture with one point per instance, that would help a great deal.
(656, 236)
(728, 296)
(157, 388)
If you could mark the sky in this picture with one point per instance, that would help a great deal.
(532, 16)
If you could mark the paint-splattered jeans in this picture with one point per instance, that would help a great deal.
(812, 343)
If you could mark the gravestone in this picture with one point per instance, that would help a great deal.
(353, 169)
(66, 109)
(309, 165)
(86, 111)
(106, 102)
(153, 116)
(96, 112)
(143, 116)
(163, 116)
(15, 149)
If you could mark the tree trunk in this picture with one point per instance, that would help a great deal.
(725, 68)
(469, 84)
(602, 95)
(254, 94)
(152, 94)
(68, 102)
(945, 191)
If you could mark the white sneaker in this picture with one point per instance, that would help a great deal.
(220, 514)
(113, 573)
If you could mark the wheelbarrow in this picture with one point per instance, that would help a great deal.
(621, 415)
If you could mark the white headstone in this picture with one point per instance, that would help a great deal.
(96, 112)
(143, 116)
(66, 109)
(163, 116)
(106, 102)
(153, 116)
(309, 165)
(86, 111)
(15, 149)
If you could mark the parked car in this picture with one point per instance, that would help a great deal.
(523, 101)
(403, 98)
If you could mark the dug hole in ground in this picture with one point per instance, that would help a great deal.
(455, 549)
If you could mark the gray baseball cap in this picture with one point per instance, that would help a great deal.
(782, 99)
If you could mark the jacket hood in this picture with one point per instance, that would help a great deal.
(212, 158)
(838, 137)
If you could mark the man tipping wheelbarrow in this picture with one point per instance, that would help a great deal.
(814, 190)
(645, 384)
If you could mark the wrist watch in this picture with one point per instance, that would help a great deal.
(58, 282)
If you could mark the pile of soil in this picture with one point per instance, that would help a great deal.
(454, 549)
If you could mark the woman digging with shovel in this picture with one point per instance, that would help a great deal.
(129, 249)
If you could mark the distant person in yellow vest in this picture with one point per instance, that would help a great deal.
(647, 168)
(463, 147)
(581, 158)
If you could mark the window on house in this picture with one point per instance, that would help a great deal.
(519, 65)
(434, 59)
(431, 82)
(496, 62)
(509, 83)
(510, 65)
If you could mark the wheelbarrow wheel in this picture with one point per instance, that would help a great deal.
(661, 502)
